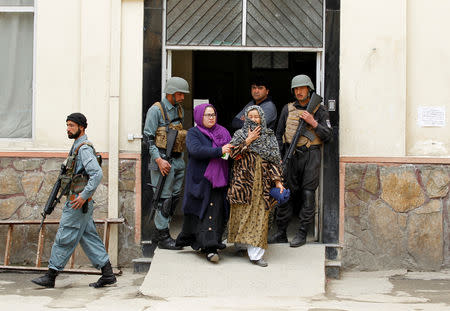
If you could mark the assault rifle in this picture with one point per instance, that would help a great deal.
(313, 103)
(54, 199)
(171, 137)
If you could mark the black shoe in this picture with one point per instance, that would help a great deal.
(279, 237)
(299, 239)
(47, 280)
(107, 278)
(165, 241)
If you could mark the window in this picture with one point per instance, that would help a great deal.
(16, 63)
(270, 60)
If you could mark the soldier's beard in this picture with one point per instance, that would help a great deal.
(74, 135)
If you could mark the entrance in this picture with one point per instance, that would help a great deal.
(224, 77)
(178, 43)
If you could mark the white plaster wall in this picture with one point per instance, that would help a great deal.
(72, 73)
(373, 78)
(131, 74)
(428, 68)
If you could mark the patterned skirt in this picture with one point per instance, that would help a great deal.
(249, 223)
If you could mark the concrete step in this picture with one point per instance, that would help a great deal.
(141, 265)
(292, 272)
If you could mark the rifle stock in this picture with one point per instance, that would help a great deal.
(312, 105)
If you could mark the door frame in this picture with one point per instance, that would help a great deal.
(166, 73)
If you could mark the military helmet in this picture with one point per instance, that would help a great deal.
(176, 84)
(301, 80)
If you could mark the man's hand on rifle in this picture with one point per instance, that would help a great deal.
(309, 118)
(77, 202)
(163, 165)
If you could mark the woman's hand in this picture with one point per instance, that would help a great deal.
(279, 185)
(253, 135)
(226, 148)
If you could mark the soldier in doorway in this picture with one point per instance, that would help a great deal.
(303, 172)
(260, 93)
(168, 113)
(79, 181)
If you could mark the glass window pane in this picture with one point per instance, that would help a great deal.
(16, 75)
(17, 2)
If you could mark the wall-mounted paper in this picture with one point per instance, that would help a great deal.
(431, 116)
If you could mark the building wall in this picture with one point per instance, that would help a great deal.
(72, 73)
(26, 183)
(388, 70)
(428, 72)
(87, 58)
(393, 200)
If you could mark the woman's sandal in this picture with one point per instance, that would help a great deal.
(212, 257)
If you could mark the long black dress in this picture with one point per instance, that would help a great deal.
(205, 208)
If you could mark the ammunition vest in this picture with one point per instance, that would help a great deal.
(72, 183)
(292, 122)
(161, 133)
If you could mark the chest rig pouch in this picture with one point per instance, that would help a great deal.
(161, 132)
(309, 136)
(72, 183)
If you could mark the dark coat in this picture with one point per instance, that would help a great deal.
(197, 188)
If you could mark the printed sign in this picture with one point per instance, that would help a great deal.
(431, 116)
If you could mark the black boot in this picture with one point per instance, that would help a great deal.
(279, 237)
(300, 237)
(47, 280)
(107, 277)
(165, 241)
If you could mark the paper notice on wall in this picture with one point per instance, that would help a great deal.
(431, 116)
(199, 102)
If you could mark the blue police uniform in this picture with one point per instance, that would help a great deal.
(174, 180)
(78, 227)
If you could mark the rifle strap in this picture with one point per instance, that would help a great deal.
(164, 112)
(76, 153)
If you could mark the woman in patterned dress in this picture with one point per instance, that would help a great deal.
(256, 169)
(204, 204)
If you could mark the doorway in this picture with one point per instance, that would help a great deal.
(224, 77)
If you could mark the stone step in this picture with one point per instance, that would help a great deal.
(141, 265)
(333, 263)
(148, 248)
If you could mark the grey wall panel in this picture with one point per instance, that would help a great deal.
(204, 22)
(285, 23)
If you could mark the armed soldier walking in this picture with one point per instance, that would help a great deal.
(303, 170)
(162, 118)
(81, 177)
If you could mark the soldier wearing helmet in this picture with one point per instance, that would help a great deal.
(303, 173)
(161, 115)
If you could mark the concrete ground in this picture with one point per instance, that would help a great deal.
(385, 290)
(189, 274)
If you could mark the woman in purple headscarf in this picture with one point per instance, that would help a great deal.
(204, 204)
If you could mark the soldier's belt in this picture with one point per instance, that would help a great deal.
(162, 151)
(73, 197)
(304, 148)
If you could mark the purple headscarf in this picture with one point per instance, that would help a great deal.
(217, 169)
